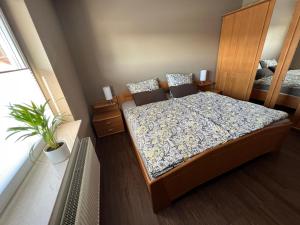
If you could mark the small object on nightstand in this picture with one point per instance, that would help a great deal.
(107, 118)
(202, 75)
(107, 93)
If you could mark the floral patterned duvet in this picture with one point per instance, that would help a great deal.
(290, 85)
(169, 132)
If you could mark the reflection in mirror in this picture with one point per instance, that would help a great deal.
(295, 65)
(281, 19)
(289, 97)
(291, 83)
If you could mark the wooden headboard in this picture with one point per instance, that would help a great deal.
(127, 96)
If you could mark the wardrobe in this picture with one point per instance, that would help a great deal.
(242, 39)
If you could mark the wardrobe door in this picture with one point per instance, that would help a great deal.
(225, 58)
(286, 82)
(242, 38)
(288, 60)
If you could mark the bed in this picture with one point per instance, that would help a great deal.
(289, 93)
(182, 143)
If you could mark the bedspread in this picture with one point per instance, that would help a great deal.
(170, 132)
(290, 85)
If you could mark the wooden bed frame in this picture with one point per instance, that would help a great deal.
(210, 163)
(202, 85)
(283, 99)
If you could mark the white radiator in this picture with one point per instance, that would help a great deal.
(80, 200)
(88, 203)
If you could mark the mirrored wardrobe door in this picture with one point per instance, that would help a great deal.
(289, 92)
(286, 56)
(285, 94)
(273, 46)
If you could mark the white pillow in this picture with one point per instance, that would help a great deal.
(179, 79)
(146, 85)
(265, 63)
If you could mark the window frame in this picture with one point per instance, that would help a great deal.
(20, 58)
(25, 168)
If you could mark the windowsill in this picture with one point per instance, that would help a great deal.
(34, 200)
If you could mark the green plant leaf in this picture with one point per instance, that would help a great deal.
(34, 122)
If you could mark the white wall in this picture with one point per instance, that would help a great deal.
(48, 27)
(119, 41)
(279, 26)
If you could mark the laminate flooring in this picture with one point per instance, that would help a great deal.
(263, 191)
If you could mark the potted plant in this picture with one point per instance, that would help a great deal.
(34, 121)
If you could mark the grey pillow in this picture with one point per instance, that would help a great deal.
(264, 72)
(272, 68)
(147, 97)
(183, 90)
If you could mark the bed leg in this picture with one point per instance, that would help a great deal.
(280, 140)
(159, 197)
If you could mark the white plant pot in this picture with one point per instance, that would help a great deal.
(58, 155)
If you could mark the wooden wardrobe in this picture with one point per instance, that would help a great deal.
(242, 40)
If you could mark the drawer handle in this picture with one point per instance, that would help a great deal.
(108, 123)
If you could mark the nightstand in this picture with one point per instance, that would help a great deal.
(107, 118)
(207, 86)
(217, 91)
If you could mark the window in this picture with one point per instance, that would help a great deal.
(17, 85)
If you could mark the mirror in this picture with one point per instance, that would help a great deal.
(278, 29)
(289, 97)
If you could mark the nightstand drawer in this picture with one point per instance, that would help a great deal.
(108, 108)
(109, 123)
(109, 126)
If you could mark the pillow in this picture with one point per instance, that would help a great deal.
(272, 68)
(264, 72)
(183, 90)
(146, 85)
(265, 63)
(146, 97)
(179, 79)
(259, 66)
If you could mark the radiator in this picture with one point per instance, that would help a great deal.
(81, 204)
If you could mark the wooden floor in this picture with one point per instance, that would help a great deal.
(263, 191)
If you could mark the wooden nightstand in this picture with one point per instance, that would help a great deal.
(205, 85)
(217, 91)
(107, 118)
(208, 86)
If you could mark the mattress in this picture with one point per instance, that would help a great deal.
(170, 132)
(290, 86)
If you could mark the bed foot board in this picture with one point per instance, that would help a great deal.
(208, 165)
